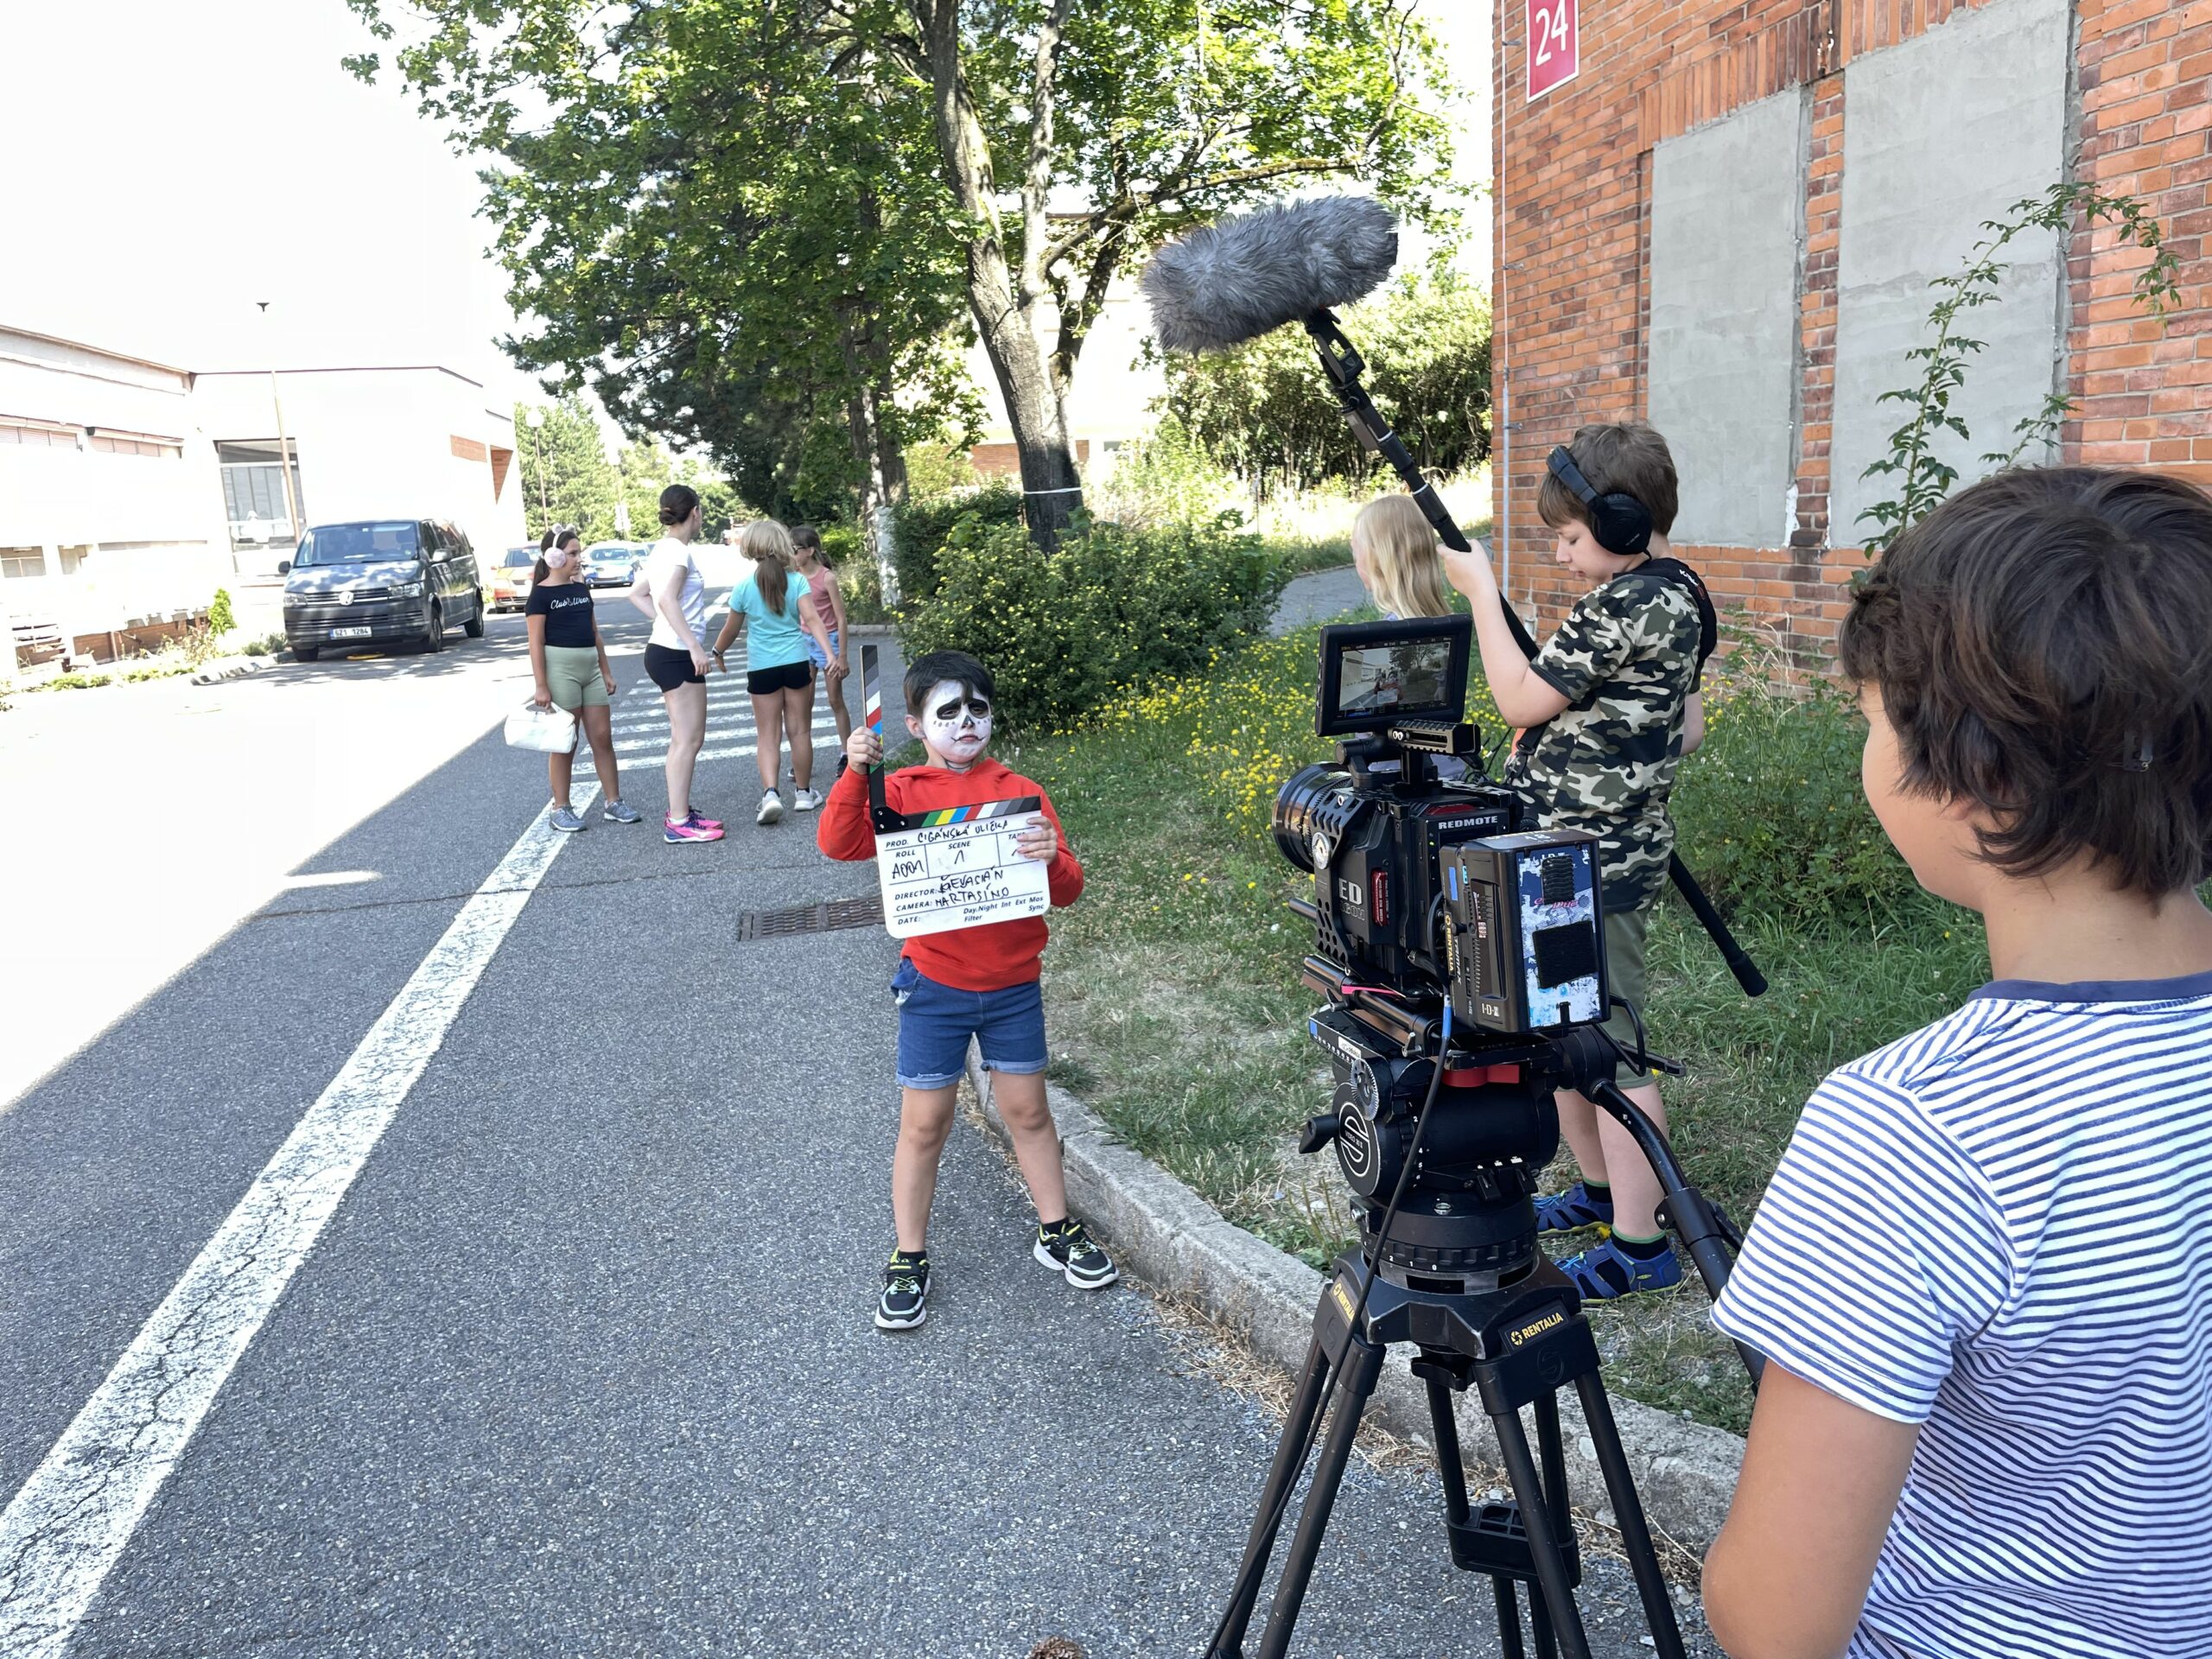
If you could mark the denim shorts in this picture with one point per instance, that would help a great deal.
(936, 1022)
(814, 650)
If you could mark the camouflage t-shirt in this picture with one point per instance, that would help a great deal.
(1626, 661)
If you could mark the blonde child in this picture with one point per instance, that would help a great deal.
(1394, 550)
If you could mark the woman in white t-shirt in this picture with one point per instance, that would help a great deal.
(676, 661)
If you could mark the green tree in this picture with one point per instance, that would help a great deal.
(733, 237)
(567, 477)
(1062, 144)
(1263, 412)
(647, 468)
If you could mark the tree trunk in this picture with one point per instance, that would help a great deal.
(875, 449)
(1009, 321)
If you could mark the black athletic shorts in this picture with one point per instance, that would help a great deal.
(670, 669)
(787, 676)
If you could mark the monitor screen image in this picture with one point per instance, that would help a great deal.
(1378, 679)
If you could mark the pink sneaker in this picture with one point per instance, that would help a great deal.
(696, 816)
(689, 830)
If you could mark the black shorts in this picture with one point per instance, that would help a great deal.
(670, 669)
(787, 676)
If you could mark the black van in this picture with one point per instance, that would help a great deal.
(380, 582)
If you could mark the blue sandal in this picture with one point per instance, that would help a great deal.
(1605, 1273)
(1573, 1210)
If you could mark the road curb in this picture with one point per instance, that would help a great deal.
(231, 668)
(1173, 1240)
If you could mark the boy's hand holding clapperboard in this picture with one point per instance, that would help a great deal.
(960, 867)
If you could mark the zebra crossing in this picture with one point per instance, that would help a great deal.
(640, 725)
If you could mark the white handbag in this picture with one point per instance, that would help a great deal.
(549, 731)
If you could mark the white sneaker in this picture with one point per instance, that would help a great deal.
(806, 800)
(772, 808)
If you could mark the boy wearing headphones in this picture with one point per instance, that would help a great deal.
(1607, 709)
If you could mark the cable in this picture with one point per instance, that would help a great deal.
(1359, 1309)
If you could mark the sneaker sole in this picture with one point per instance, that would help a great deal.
(1056, 1265)
(679, 840)
(571, 828)
(768, 815)
(882, 1324)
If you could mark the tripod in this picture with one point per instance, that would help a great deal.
(1518, 1342)
(1518, 1345)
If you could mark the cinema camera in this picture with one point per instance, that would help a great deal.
(1463, 959)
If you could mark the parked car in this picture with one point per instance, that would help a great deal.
(612, 564)
(379, 582)
(511, 579)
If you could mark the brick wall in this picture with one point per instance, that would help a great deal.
(2145, 71)
(1571, 215)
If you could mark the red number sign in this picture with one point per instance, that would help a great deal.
(1554, 39)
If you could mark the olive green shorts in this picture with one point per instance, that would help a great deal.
(1625, 977)
(572, 672)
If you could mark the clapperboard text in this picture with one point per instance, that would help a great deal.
(961, 868)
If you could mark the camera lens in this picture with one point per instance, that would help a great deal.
(1299, 811)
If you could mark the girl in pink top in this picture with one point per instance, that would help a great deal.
(829, 606)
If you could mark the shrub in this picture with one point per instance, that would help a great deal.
(1063, 632)
(1770, 814)
(220, 618)
(920, 528)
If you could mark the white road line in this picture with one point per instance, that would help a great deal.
(645, 751)
(65, 1530)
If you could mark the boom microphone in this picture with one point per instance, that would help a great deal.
(1246, 277)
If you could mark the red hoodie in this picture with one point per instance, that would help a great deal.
(968, 958)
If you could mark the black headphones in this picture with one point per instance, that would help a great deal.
(1621, 523)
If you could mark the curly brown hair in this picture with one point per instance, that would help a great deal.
(2042, 644)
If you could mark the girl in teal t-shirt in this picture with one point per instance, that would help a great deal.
(776, 609)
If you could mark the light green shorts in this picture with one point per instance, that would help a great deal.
(572, 672)
(1625, 977)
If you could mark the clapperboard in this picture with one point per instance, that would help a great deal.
(959, 867)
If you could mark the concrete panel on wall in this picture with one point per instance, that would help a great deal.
(1940, 134)
(1728, 234)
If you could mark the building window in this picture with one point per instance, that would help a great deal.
(22, 562)
(72, 558)
(38, 435)
(253, 492)
(137, 443)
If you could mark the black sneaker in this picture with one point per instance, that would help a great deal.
(905, 1287)
(1067, 1250)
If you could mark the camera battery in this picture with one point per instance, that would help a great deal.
(1527, 940)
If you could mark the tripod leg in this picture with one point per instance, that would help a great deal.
(1628, 1511)
(1449, 1465)
(1558, 1598)
(1283, 1476)
(1363, 1361)
(1508, 1620)
(1452, 1469)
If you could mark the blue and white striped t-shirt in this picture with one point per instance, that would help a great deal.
(2000, 1228)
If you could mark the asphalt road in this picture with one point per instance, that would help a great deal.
(580, 1361)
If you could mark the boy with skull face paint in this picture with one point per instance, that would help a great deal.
(977, 982)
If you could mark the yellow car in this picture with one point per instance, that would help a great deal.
(511, 579)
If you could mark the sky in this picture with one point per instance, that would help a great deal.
(202, 156)
(196, 157)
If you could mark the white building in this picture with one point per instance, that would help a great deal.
(414, 442)
(131, 490)
(110, 516)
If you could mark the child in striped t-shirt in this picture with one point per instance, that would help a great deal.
(1982, 1276)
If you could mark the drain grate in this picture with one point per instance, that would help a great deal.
(830, 916)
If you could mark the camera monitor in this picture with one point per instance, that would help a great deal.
(1378, 675)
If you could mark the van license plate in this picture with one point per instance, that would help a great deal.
(349, 633)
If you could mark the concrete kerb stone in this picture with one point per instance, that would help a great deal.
(231, 668)
(1167, 1236)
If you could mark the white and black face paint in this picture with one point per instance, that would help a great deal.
(956, 723)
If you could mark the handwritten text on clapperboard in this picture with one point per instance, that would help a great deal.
(961, 868)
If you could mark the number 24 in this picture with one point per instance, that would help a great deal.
(1551, 28)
